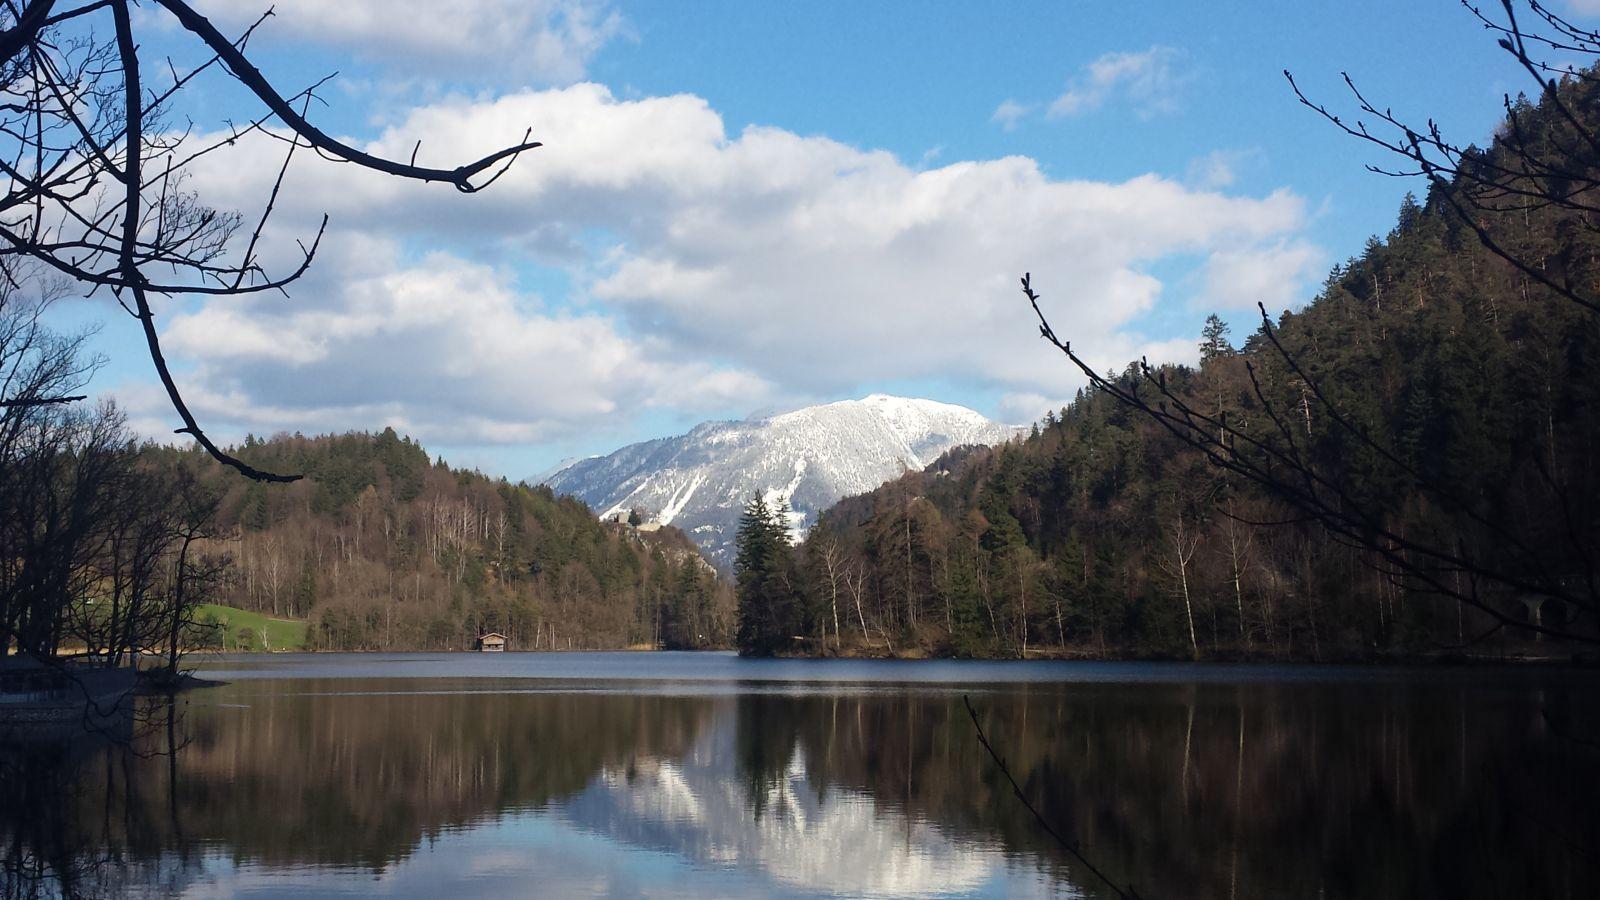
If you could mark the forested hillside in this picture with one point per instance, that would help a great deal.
(1107, 533)
(381, 548)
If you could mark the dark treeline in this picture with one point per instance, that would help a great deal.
(1106, 533)
(381, 548)
(103, 550)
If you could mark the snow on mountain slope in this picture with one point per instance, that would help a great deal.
(551, 472)
(809, 459)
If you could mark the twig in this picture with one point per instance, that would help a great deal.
(1069, 846)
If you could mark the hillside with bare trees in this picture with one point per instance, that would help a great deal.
(380, 548)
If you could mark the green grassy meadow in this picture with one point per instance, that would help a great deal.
(240, 630)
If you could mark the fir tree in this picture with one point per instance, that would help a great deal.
(1214, 339)
(764, 567)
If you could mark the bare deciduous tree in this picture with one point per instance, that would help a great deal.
(96, 173)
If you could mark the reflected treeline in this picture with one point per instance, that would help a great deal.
(1233, 791)
(1182, 790)
(47, 849)
(67, 809)
(361, 778)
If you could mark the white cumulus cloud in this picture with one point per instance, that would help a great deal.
(439, 347)
(709, 270)
(548, 40)
(1278, 275)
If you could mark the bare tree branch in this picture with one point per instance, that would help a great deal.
(1016, 789)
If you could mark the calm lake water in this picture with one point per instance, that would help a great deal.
(705, 775)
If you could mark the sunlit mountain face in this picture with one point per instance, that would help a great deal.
(703, 775)
(806, 460)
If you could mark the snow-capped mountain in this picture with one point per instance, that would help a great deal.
(809, 458)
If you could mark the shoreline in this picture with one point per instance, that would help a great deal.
(1575, 660)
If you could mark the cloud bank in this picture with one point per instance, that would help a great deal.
(646, 258)
(550, 41)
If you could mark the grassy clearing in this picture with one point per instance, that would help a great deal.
(242, 630)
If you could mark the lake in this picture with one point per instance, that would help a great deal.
(706, 775)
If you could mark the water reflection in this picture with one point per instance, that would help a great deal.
(429, 787)
(795, 830)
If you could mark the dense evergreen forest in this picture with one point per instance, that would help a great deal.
(381, 548)
(1104, 533)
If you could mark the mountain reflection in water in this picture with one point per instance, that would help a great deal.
(1282, 783)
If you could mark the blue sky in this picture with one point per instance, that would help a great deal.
(748, 206)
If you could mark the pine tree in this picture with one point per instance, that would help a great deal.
(305, 592)
(969, 634)
(763, 567)
(1214, 339)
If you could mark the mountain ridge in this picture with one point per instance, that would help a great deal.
(808, 458)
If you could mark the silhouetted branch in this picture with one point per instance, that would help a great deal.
(35, 16)
(133, 279)
(96, 179)
(251, 77)
(1016, 789)
(1517, 176)
(41, 401)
